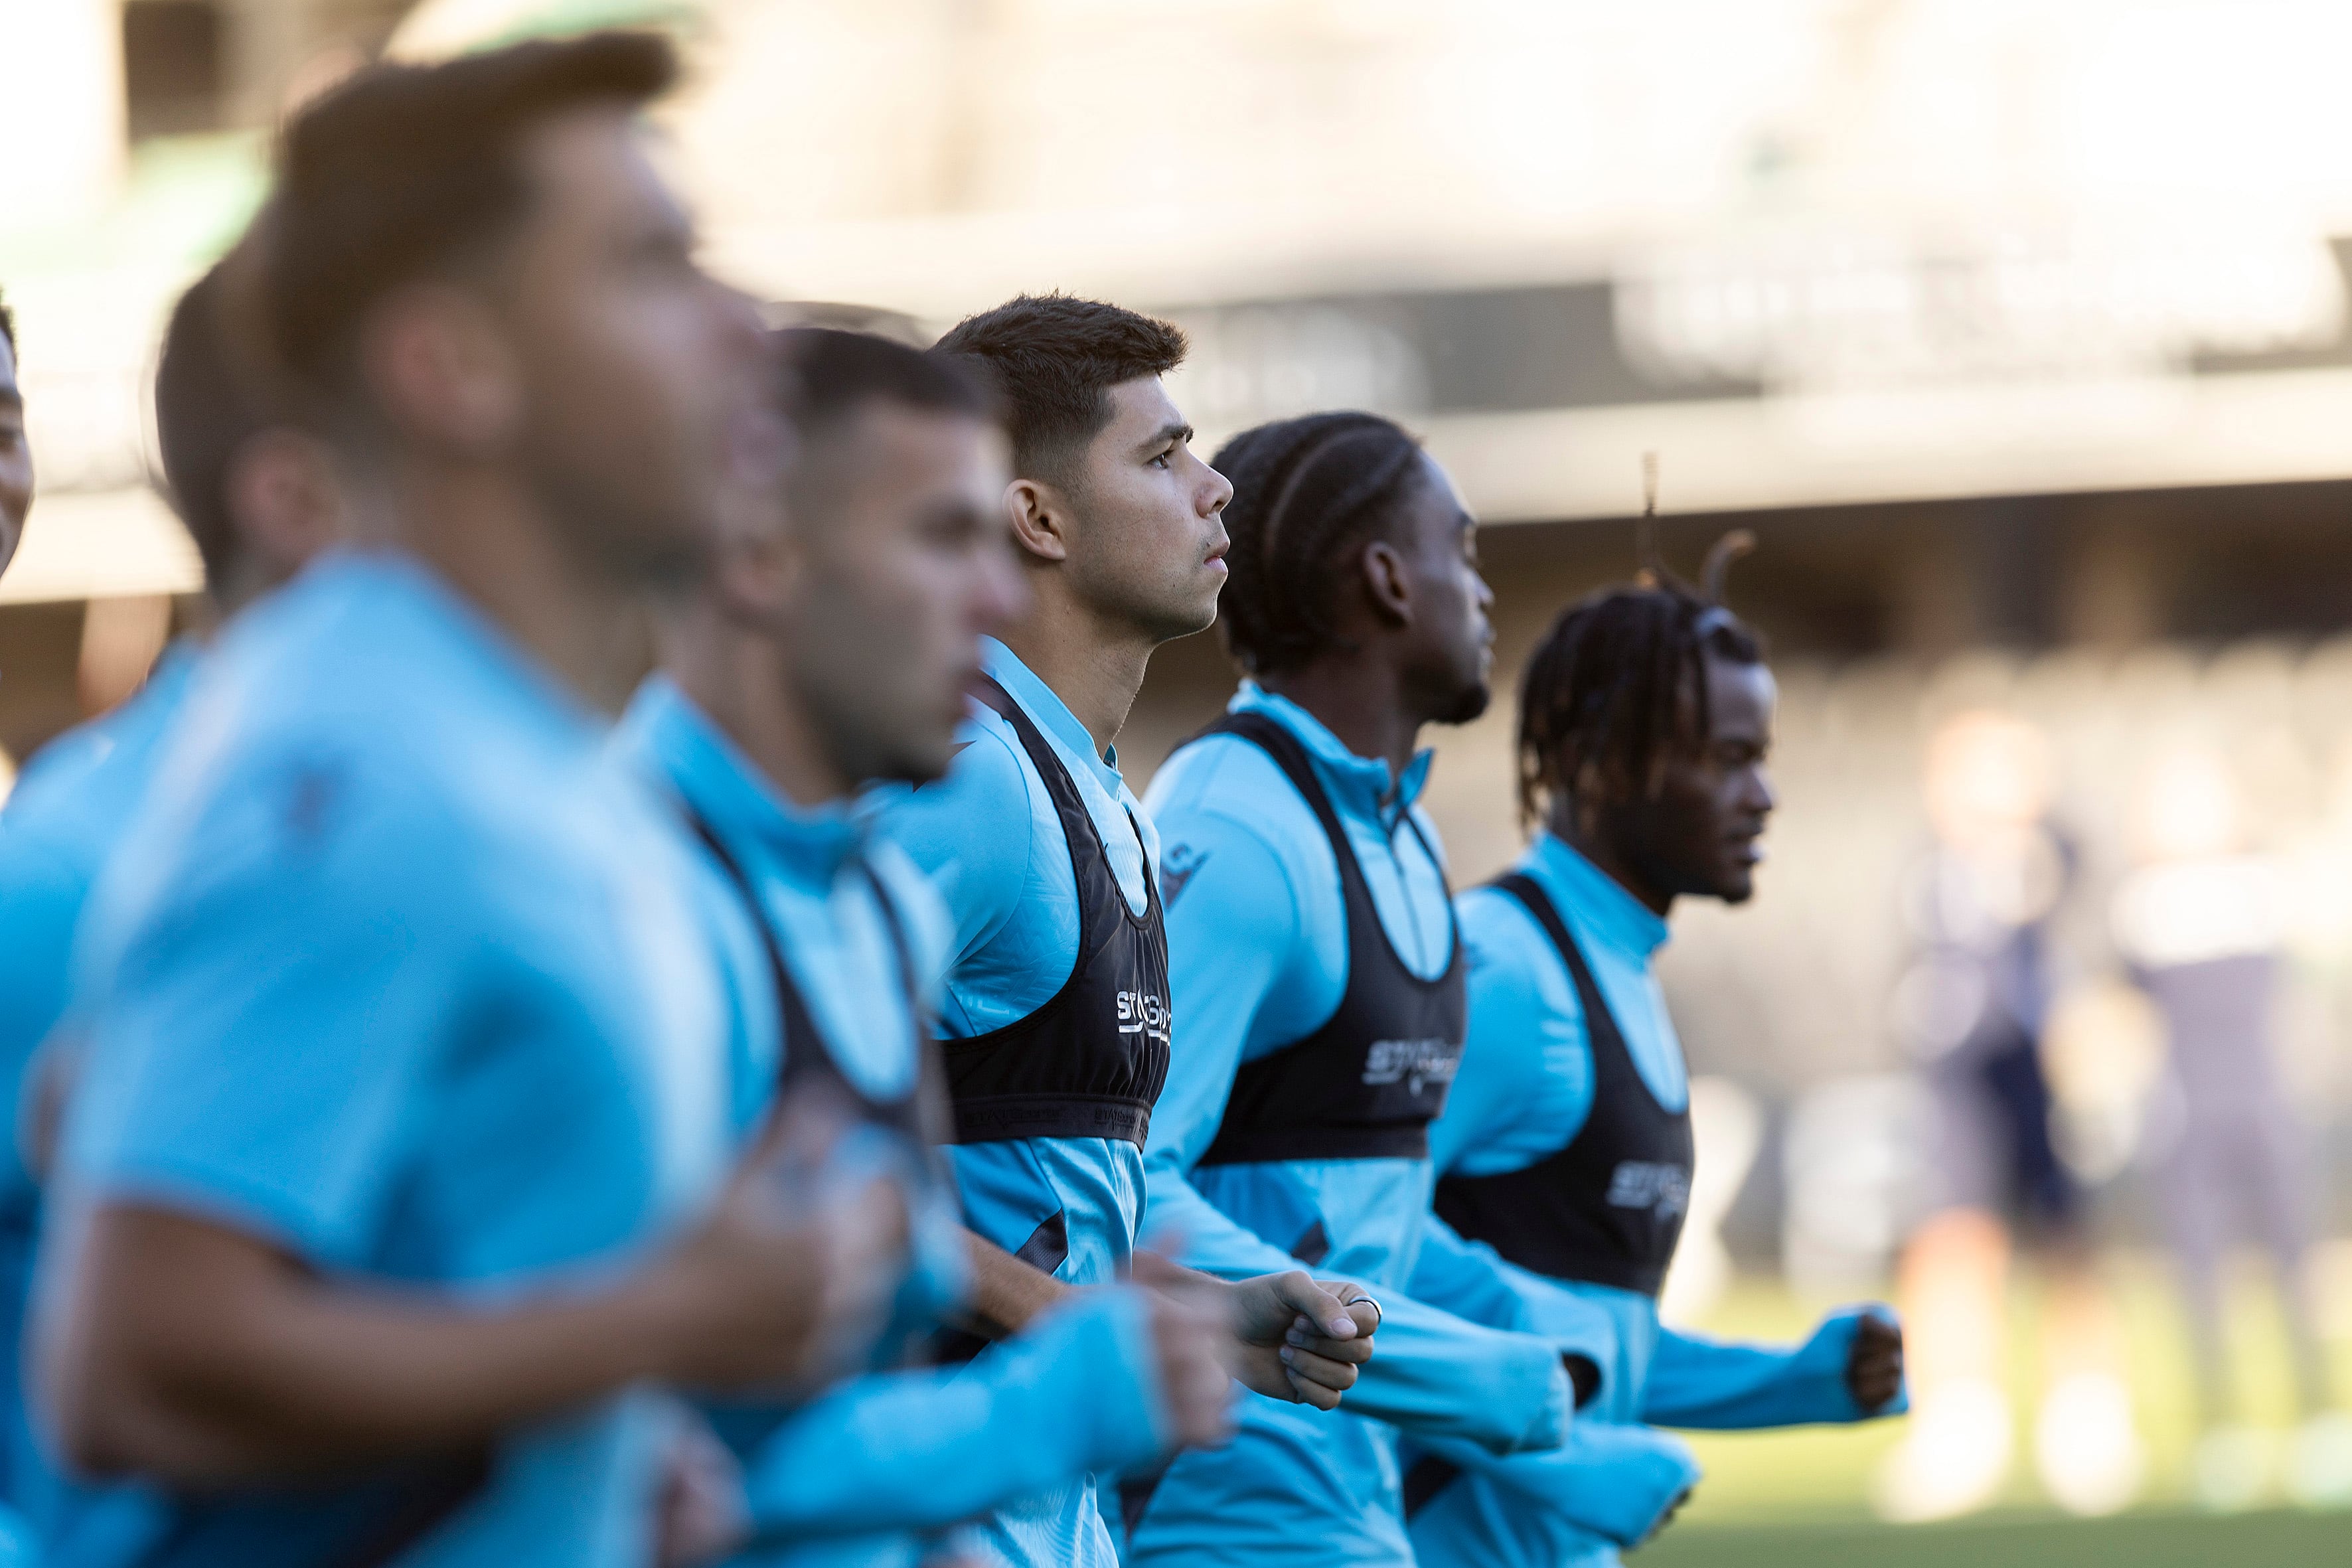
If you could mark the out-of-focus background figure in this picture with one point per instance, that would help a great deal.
(2202, 923)
(1974, 1010)
(2021, 335)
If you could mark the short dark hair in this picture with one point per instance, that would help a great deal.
(211, 398)
(405, 169)
(1305, 491)
(831, 372)
(1600, 699)
(1052, 360)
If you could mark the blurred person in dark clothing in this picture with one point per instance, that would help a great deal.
(2203, 925)
(16, 452)
(401, 1173)
(257, 494)
(1973, 1005)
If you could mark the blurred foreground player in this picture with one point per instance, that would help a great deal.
(257, 495)
(831, 645)
(15, 451)
(1645, 717)
(1318, 988)
(1054, 1016)
(397, 1170)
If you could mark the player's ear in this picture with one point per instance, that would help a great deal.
(1040, 519)
(1387, 585)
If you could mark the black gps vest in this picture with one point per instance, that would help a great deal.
(1367, 1083)
(808, 1056)
(1091, 1061)
(1608, 1208)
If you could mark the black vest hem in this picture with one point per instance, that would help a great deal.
(999, 1118)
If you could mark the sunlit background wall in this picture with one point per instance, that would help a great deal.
(2017, 331)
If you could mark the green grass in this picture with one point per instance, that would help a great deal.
(2138, 1540)
(1795, 1497)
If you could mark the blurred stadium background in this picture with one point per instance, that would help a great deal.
(2016, 329)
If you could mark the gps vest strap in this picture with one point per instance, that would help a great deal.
(1366, 1084)
(1608, 1207)
(807, 1057)
(1091, 1061)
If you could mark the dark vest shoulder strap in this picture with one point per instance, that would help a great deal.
(1530, 894)
(792, 1016)
(1278, 743)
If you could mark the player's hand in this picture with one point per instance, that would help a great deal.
(790, 1277)
(1874, 1367)
(702, 1514)
(1664, 1520)
(1299, 1339)
(1190, 1330)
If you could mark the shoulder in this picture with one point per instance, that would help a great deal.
(1225, 789)
(972, 832)
(1511, 954)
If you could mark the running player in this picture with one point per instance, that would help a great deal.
(1318, 985)
(408, 1066)
(1054, 1011)
(772, 708)
(15, 451)
(256, 495)
(1645, 716)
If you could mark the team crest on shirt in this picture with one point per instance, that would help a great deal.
(1665, 1190)
(1176, 868)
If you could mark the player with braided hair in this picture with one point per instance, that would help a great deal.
(1645, 718)
(1318, 991)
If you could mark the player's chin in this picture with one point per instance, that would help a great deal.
(1735, 884)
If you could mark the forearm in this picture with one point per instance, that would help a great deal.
(1615, 1483)
(1437, 1374)
(1201, 1236)
(311, 1379)
(1713, 1384)
(1003, 1294)
(919, 1450)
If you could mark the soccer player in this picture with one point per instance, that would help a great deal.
(1319, 987)
(1054, 1011)
(396, 1174)
(772, 708)
(257, 496)
(1645, 717)
(16, 452)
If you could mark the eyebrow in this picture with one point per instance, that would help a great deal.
(1175, 431)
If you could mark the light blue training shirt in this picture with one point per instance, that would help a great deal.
(400, 971)
(71, 806)
(1524, 1091)
(875, 1470)
(1258, 949)
(991, 841)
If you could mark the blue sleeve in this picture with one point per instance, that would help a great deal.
(41, 900)
(1714, 1385)
(1231, 926)
(970, 833)
(1437, 1375)
(1525, 1085)
(920, 1450)
(276, 992)
(1616, 1482)
(1470, 1280)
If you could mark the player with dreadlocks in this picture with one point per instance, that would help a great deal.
(1646, 719)
(1317, 990)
